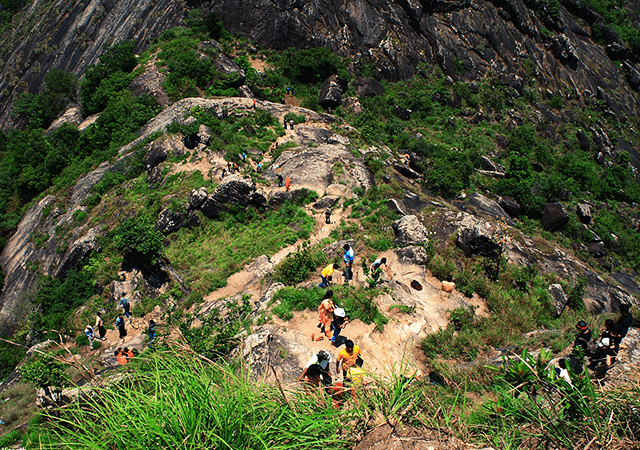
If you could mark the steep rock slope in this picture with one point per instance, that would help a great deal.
(70, 36)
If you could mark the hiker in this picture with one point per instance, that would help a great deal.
(448, 285)
(580, 347)
(276, 145)
(89, 333)
(563, 372)
(625, 320)
(259, 167)
(122, 359)
(129, 353)
(349, 256)
(122, 332)
(254, 103)
(288, 90)
(327, 216)
(605, 353)
(244, 157)
(321, 359)
(326, 309)
(235, 167)
(326, 275)
(291, 124)
(230, 166)
(284, 122)
(152, 331)
(377, 267)
(287, 183)
(338, 323)
(224, 172)
(126, 307)
(280, 179)
(350, 357)
(100, 326)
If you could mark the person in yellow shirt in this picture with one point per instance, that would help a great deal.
(326, 274)
(350, 356)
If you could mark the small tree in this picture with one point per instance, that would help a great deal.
(47, 374)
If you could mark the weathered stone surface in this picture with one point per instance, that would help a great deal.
(150, 83)
(564, 195)
(558, 297)
(412, 255)
(212, 208)
(197, 197)
(194, 219)
(312, 168)
(585, 144)
(395, 206)
(330, 94)
(477, 239)
(409, 231)
(352, 104)
(554, 217)
(169, 221)
(368, 87)
(597, 249)
(158, 154)
(227, 66)
(491, 166)
(326, 202)
(73, 115)
(584, 213)
(406, 171)
(402, 113)
(235, 190)
(80, 248)
(265, 349)
(487, 206)
(509, 205)
(492, 174)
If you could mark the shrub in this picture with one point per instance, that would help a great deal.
(297, 266)
(312, 65)
(297, 118)
(296, 299)
(138, 241)
(81, 340)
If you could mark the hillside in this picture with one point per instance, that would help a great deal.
(494, 142)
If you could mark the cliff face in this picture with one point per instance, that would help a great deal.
(70, 36)
(512, 40)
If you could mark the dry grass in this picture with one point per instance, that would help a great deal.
(17, 405)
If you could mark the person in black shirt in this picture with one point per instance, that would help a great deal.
(625, 320)
(580, 347)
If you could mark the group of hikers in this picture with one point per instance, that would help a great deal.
(602, 351)
(376, 269)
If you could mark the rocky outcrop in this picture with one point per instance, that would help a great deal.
(409, 231)
(558, 297)
(554, 217)
(368, 87)
(234, 190)
(197, 198)
(476, 237)
(71, 36)
(330, 94)
(150, 83)
(72, 116)
(584, 213)
(169, 221)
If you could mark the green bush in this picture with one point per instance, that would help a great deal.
(296, 299)
(59, 89)
(297, 265)
(312, 65)
(138, 241)
(81, 340)
(360, 304)
(297, 118)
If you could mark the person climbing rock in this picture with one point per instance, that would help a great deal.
(100, 326)
(326, 275)
(280, 179)
(321, 359)
(378, 266)
(327, 216)
(338, 323)
(291, 124)
(349, 356)
(349, 256)
(121, 357)
(580, 347)
(625, 320)
(259, 167)
(152, 331)
(126, 307)
(287, 183)
(244, 157)
(122, 331)
(89, 333)
(326, 310)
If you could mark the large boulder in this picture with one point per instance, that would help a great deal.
(368, 87)
(409, 231)
(234, 190)
(264, 350)
(477, 238)
(584, 213)
(228, 67)
(169, 221)
(197, 198)
(509, 205)
(555, 217)
(72, 115)
(352, 104)
(158, 154)
(558, 297)
(331, 91)
(150, 83)
(487, 206)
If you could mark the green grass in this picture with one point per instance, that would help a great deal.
(206, 256)
(174, 400)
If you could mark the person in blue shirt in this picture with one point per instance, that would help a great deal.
(122, 331)
(126, 307)
(349, 256)
(152, 331)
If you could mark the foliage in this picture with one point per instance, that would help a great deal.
(297, 118)
(56, 300)
(297, 265)
(59, 89)
(176, 400)
(46, 373)
(360, 304)
(10, 357)
(313, 65)
(138, 241)
(108, 78)
(296, 299)
(81, 340)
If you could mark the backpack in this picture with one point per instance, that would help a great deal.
(417, 286)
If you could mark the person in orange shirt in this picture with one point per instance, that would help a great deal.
(287, 183)
(326, 309)
(448, 284)
(350, 356)
(122, 359)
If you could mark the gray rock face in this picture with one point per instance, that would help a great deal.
(409, 231)
(394, 206)
(227, 66)
(487, 206)
(584, 213)
(194, 219)
(352, 104)
(406, 171)
(478, 240)
(262, 350)
(558, 297)
(72, 115)
(330, 94)
(47, 36)
(554, 217)
(197, 198)
(150, 82)
(368, 87)
(509, 205)
(234, 190)
(412, 255)
(169, 221)
(489, 165)
(158, 154)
